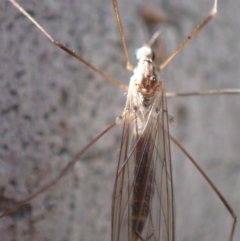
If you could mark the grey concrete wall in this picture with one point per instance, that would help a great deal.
(52, 106)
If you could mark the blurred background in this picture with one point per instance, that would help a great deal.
(52, 106)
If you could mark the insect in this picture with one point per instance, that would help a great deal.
(62, 125)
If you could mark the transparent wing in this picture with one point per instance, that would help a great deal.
(142, 206)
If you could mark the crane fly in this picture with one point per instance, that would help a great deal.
(142, 206)
(143, 193)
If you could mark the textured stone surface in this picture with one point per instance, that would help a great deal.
(52, 106)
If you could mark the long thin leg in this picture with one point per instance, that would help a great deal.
(129, 66)
(205, 92)
(215, 189)
(69, 51)
(211, 15)
(59, 176)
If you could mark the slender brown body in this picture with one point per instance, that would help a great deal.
(143, 188)
(143, 193)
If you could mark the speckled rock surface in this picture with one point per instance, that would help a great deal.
(52, 106)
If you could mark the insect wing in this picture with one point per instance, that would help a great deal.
(142, 206)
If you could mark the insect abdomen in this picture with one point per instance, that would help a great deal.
(143, 186)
